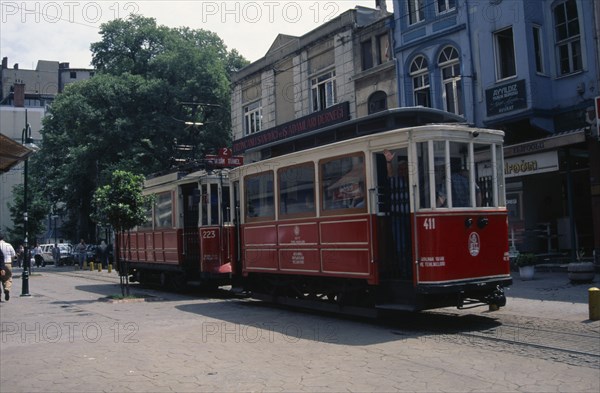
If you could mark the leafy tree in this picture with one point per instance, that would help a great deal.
(121, 205)
(37, 209)
(151, 80)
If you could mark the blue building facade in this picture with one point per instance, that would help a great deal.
(530, 68)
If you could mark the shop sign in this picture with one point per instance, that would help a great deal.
(531, 164)
(330, 116)
(506, 98)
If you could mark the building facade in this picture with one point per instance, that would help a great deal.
(341, 70)
(25, 97)
(531, 69)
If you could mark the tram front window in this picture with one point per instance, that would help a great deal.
(458, 167)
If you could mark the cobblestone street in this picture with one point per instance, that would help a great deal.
(65, 339)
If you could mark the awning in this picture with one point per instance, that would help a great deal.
(11, 153)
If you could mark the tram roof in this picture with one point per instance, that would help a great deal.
(374, 123)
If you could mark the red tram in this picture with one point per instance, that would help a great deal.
(368, 221)
(397, 214)
(184, 240)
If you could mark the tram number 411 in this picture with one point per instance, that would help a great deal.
(429, 223)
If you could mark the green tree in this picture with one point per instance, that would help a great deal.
(37, 210)
(151, 80)
(121, 205)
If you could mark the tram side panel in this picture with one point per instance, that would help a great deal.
(329, 247)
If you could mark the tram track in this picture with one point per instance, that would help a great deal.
(535, 337)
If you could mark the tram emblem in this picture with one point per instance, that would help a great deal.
(474, 244)
(296, 230)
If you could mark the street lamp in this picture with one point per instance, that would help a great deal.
(27, 141)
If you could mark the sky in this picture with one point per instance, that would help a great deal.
(63, 30)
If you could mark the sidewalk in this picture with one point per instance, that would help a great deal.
(549, 295)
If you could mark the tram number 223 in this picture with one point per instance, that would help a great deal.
(429, 223)
(209, 234)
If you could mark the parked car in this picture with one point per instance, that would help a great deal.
(48, 258)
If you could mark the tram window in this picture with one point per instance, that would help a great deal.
(297, 190)
(439, 159)
(204, 203)
(343, 183)
(147, 224)
(214, 204)
(485, 162)
(163, 217)
(423, 165)
(226, 211)
(259, 196)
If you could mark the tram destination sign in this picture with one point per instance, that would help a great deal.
(330, 116)
(506, 98)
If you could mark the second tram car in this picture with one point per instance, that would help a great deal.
(184, 240)
(412, 218)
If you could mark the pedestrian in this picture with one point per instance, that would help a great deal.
(8, 253)
(56, 255)
(37, 250)
(80, 251)
(20, 255)
(102, 254)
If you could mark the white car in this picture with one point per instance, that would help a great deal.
(48, 258)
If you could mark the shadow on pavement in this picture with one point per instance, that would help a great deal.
(248, 319)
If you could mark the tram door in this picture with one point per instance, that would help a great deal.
(191, 244)
(394, 216)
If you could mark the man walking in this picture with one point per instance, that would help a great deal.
(9, 254)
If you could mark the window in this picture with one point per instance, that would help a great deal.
(259, 196)
(445, 6)
(366, 55)
(568, 38)
(451, 80)
(252, 118)
(73, 75)
(323, 91)
(382, 54)
(297, 191)
(343, 183)
(537, 49)
(377, 102)
(471, 172)
(420, 78)
(505, 54)
(383, 48)
(163, 211)
(415, 11)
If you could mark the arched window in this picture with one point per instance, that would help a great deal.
(449, 64)
(419, 73)
(377, 102)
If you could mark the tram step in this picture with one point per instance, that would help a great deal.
(396, 307)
